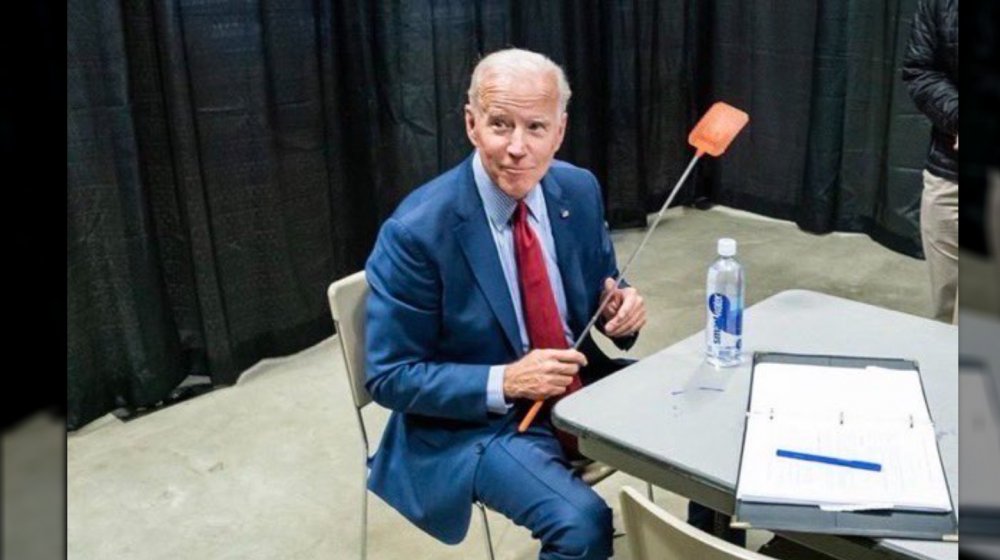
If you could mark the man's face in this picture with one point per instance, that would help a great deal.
(517, 128)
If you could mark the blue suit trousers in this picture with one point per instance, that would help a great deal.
(526, 477)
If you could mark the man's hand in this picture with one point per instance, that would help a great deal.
(541, 374)
(625, 313)
(956, 142)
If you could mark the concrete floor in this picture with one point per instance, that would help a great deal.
(271, 467)
(33, 488)
(979, 284)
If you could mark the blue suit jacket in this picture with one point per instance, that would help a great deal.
(439, 315)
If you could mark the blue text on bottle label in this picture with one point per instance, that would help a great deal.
(727, 322)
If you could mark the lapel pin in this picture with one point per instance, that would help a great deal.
(564, 213)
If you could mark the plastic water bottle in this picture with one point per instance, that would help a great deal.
(724, 299)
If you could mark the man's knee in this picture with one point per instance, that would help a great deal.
(586, 532)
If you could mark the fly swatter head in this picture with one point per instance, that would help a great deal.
(717, 128)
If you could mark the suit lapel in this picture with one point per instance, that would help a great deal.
(480, 251)
(563, 224)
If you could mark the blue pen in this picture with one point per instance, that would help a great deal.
(864, 465)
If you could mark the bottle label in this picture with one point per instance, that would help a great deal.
(727, 321)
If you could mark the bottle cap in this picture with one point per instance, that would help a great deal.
(727, 247)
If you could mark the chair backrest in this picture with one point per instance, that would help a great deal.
(654, 533)
(347, 305)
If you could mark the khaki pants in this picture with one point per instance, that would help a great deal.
(939, 234)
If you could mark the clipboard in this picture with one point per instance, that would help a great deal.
(889, 523)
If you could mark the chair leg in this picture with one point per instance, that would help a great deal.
(364, 512)
(649, 492)
(486, 531)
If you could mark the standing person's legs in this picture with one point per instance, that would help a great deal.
(939, 234)
(526, 478)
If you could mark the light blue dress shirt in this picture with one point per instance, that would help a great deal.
(499, 208)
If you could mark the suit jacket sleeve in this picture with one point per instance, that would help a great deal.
(403, 323)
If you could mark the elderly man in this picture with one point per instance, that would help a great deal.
(480, 282)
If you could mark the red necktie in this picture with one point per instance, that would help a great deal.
(541, 316)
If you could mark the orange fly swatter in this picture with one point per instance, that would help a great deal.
(717, 128)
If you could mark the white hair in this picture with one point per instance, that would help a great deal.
(518, 61)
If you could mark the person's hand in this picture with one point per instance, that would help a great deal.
(541, 374)
(956, 142)
(625, 313)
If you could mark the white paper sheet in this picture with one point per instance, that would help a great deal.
(872, 415)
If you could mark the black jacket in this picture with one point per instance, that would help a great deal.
(930, 71)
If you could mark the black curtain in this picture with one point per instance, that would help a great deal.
(834, 142)
(228, 160)
(31, 124)
(980, 152)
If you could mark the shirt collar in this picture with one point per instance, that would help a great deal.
(499, 206)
